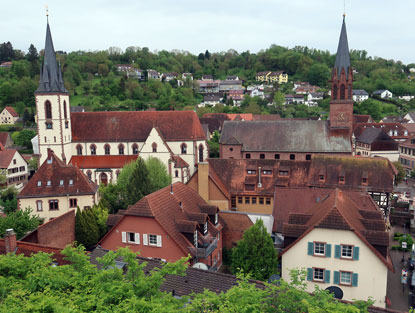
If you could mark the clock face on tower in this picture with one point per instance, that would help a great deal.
(342, 117)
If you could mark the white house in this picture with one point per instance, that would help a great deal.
(407, 97)
(313, 97)
(360, 95)
(341, 244)
(8, 116)
(383, 93)
(14, 166)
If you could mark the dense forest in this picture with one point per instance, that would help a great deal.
(94, 81)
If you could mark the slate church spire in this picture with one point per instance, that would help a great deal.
(50, 74)
(341, 104)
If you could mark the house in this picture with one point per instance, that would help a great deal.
(236, 95)
(208, 85)
(98, 139)
(251, 185)
(10, 244)
(5, 140)
(341, 245)
(393, 119)
(410, 127)
(294, 99)
(375, 142)
(6, 64)
(130, 71)
(410, 117)
(169, 224)
(262, 76)
(395, 130)
(232, 77)
(407, 154)
(8, 116)
(169, 76)
(296, 139)
(14, 167)
(230, 85)
(77, 109)
(58, 232)
(187, 76)
(279, 77)
(360, 95)
(406, 97)
(207, 77)
(211, 99)
(313, 97)
(152, 74)
(383, 93)
(57, 188)
(362, 118)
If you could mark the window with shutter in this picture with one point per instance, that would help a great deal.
(337, 250)
(158, 241)
(355, 279)
(327, 276)
(310, 248)
(336, 277)
(145, 240)
(328, 250)
(124, 237)
(356, 253)
(309, 274)
(137, 238)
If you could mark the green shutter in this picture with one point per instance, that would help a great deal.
(337, 251)
(336, 277)
(328, 250)
(355, 279)
(356, 253)
(327, 276)
(309, 274)
(310, 248)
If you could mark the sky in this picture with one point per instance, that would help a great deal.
(383, 28)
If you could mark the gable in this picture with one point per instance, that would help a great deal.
(155, 137)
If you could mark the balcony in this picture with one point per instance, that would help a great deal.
(204, 251)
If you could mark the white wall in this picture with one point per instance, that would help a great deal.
(372, 271)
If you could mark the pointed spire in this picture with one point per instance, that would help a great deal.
(51, 75)
(343, 56)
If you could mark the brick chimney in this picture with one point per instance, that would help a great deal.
(10, 240)
(203, 180)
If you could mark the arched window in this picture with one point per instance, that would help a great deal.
(107, 149)
(104, 178)
(48, 109)
(135, 148)
(65, 113)
(201, 153)
(79, 150)
(176, 173)
(89, 174)
(334, 92)
(183, 148)
(154, 145)
(93, 149)
(120, 149)
(342, 92)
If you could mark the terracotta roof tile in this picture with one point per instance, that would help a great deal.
(102, 161)
(6, 157)
(3, 138)
(235, 225)
(135, 126)
(54, 171)
(12, 111)
(179, 162)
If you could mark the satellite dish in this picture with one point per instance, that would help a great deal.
(200, 265)
(336, 291)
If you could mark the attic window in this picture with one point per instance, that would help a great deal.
(405, 133)
(283, 173)
(50, 161)
(247, 156)
(61, 182)
(251, 172)
(71, 182)
(39, 183)
(391, 133)
(395, 133)
(48, 183)
(267, 172)
(364, 181)
(341, 179)
(321, 177)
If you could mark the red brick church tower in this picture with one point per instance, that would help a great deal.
(341, 104)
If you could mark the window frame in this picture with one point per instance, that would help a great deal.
(345, 257)
(150, 236)
(37, 206)
(319, 254)
(54, 207)
(134, 148)
(121, 149)
(107, 149)
(318, 280)
(345, 283)
(73, 202)
(93, 149)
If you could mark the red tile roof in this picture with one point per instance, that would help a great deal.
(135, 126)
(12, 111)
(235, 225)
(171, 211)
(179, 162)
(55, 171)
(3, 138)
(339, 212)
(358, 129)
(102, 161)
(6, 157)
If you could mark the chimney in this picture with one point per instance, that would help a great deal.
(10, 240)
(259, 177)
(203, 180)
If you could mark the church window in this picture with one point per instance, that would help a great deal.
(184, 148)
(79, 150)
(107, 149)
(93, 149)
(135, 148)
(176, 173)
(48, 109)
(342, 92)
(201, 153)
(154, 146)
(121, 149)
(65, 113)
(334, 92)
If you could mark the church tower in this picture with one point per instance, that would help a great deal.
(52, 107)
(341, 104)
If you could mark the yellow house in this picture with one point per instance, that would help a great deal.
(272, 77)
(56, 189)
(8, 116)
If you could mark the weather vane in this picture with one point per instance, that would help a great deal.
(344, 8)
(47, 11)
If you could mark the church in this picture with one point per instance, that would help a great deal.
(101, 143)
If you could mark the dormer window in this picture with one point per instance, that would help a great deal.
(283, 173)
(267, 172)
(217, 217)
(341, 179)
(49, 125)
(405, 133)
(205, 229)
(61, 182)
(71, 182)
(251, 172)
(395, 133)
(39, 183)
(195, 238)
(364, 181)
(321, 177)
(391, 133)
(50, 161)
(48, 183)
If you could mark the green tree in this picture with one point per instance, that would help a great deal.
(23, 138)
(22, 222)
(139, 184)
(86, 229)
(401, 172)
(255, 253)
(157, 174)
(318, 74)
(279, 99)
(32, 55)
(8, 200)
(213, 144)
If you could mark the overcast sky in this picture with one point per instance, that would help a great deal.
(383, 28)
